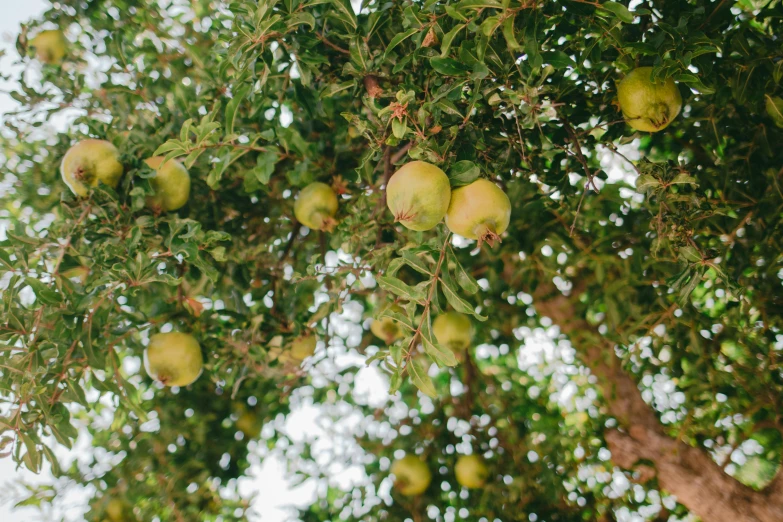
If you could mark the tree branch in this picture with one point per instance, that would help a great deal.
(687, 472)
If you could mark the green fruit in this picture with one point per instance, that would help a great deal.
(89, 162)
(303, 347)
(173, 358)
(50, 46)
(411, 474)
(479, 211)
(171, 184)
(316, 206)
(387, 329)
(774, 108)
(471, 471)
(249, 424)
(648, 106)
(453, 330)
(115, 510)
(418, 195)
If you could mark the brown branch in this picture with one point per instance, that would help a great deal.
(373, 87)
(689, 473)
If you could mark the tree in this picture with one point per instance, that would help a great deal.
(658, 292)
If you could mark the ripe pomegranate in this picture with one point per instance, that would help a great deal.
(471, 471)
(316, 206)
(412, 476)
(479, 211)
(418, 195)
(89, 162)
(50, 46)
(173, 358)
(453, 330)
(648, 106)
(171, 184)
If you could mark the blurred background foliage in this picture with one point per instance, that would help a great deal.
(650, 259)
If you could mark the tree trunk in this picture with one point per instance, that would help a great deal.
(688, 473)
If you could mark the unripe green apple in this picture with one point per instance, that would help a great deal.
(418, 195)
(249, 424)
(471, 471)
(50, 46)
(316, 206)
(648, 106)
(171, 184)
(173, 358)
(411, 474)
(479, 211)
(89, 162)
(387, 329)
(453, 330)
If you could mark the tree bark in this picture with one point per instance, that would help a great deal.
(689, 473)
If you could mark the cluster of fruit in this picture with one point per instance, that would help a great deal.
(412, 476)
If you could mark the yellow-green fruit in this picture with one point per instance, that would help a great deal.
(171, 184)
(173, 358)
(648, 106)
(418, 195)
(774, 108)
(303, 347)
(471, 471)
(50, 46)
(453, 330)
(249, 424)
(115, 510)
(411, 475)
(89, 162)
(387, 329)
(316, 206)
(479, 211)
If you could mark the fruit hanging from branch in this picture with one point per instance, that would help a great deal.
(418, 195)
(90, 162)
(173, 358)
(471, 471)
(453, 330)
(171, 183)
(411, 475)
(648, 105)
(50, 46)
(479, 211)
(316, 206)
(386, 328)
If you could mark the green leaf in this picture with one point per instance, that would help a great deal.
(508, 34)
(619, 10)
(449, 67)
(233, 105)
(442, 356)
(397, 287)
(451, 292)
(344, 12)
(415, 262)
(418, 372)
(464, 279)
(397, 40)
(463, 173)
(448, 38)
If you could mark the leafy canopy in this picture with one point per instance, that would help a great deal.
(638, 269)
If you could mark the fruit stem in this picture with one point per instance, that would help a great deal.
(486, 232)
